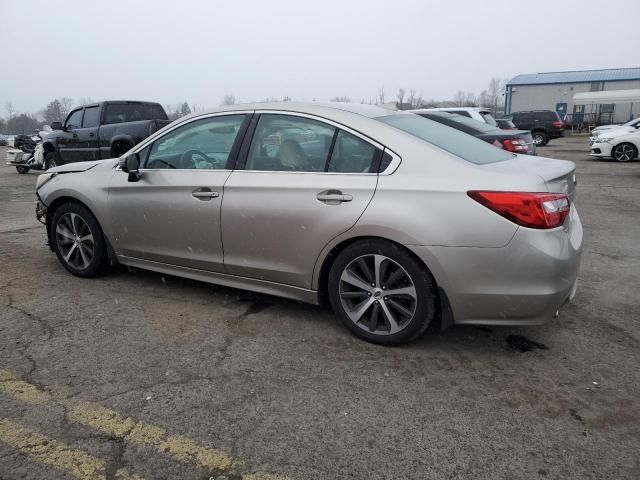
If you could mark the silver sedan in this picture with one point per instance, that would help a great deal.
(395, 220)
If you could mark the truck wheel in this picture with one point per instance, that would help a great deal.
(540, 138)
(50, 160)
(22, 170)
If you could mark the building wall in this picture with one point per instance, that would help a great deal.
(545, 97)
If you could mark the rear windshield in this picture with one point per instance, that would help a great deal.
(469, 122)
(465, 146)
(133, 112)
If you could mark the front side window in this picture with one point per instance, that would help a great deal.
(286, 143)
(351, 154)
(75, 119)
(91, 117)
(202, 144)
(462, 145)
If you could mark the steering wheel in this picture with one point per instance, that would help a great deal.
(187, 161)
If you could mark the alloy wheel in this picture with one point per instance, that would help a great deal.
(377, 294)
(538, 139)
(623, 153)
(75, 240)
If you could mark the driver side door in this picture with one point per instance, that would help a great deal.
(172, 214)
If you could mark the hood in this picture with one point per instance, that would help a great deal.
(81, 166)
(616, 132)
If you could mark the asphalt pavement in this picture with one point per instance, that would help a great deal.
(137, 375)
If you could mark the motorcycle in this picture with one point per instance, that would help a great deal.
(30, 155)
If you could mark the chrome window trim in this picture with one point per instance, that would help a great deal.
(393, 166)
(334, 124)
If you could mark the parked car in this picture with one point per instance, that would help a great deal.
(544, 125)
(3, 141)
(518, 141)
(505, 124)
(102, 130)
(477, 113)
(621, 145)
(395, 219)
(630, 126)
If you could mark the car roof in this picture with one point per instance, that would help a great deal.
(450, 109)
(312, 108)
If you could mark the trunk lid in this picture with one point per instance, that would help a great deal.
(558, 175)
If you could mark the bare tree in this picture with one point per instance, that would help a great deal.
(65, 106)
(411, 99)
(381, 93)
(400, 96)
(286, 99)
(340, 99)
(11, 111)
(228, 99)
(459, 98)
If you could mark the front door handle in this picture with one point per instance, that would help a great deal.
(333, 197)
(204, 194)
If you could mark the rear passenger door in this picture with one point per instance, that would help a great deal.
(300, 182)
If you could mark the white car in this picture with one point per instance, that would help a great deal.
(477, 113)
(630, 126)
(621, 145)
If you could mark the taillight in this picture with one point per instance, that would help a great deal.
(516, 145)
(557, 124)
(533, 210)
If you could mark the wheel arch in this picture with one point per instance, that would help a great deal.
(324, 264)
(63, 199)
(124, 140)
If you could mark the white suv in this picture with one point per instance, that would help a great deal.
(477, 113)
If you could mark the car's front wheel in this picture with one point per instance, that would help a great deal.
(625, 152)
(381, 292)
(78, 240)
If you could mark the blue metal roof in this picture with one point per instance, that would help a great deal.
(582, 76)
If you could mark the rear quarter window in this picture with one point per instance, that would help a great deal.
(460, 144)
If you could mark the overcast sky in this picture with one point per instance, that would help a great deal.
(198, 51)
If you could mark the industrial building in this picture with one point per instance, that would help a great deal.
(579, 96)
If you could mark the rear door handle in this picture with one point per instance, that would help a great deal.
(333, 197)
(204, 194)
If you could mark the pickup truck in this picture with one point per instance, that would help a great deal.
(102, 130)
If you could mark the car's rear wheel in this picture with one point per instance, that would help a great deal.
(540, 138)
(381, 292)
(78, 240)
(625, 152)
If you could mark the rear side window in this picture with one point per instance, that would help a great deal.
(548, 116)
(286, 143)
(465, 146)
(133, 112)
(351, 155)
(91, 117)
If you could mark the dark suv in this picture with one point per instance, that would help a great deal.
(543, 124)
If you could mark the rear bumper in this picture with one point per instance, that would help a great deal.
(524, 283)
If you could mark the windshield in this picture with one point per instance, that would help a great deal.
(465, 146)
(634, 122)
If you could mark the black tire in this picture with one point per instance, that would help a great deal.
(22, 170)
(50, 160)
(423, 304)
(625, 152)
(540, 138)
(76, 261)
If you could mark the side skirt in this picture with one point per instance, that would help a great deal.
(243, 283)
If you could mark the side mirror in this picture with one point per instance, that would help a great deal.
(56, 126)
(131, 165)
